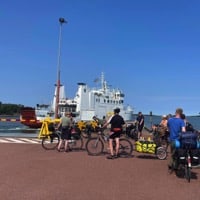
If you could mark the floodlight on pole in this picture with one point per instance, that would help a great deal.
(61, 20)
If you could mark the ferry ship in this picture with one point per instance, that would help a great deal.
(88, 102)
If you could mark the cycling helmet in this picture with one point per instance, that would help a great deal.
(116, 110)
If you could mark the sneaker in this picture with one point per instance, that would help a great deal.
(172, 168)
(110, 157)
(169, 167)
(116, 156)
(68, 150)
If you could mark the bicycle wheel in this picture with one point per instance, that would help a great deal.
(188, 173)
(76, 144)
(125, 147)
(94, 146)
(161, 153)
(51, 141)
(134, 134)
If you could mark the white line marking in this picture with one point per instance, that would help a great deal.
(20, 140)
(4, 141)
(30, 140)
(15, 140)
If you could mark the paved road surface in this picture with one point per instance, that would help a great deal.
(29, 172)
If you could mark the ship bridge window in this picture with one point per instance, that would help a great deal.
(104, 101)
(120, 95)
(107, 101)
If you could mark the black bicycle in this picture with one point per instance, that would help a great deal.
(51, 141)
(95, 145)
(182, 163)
(187, 156)
(132, 131)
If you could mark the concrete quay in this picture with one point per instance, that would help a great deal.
(28, 172)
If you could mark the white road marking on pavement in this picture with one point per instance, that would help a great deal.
(34, 141)
(4, 141)
(20, 140)
(14, 140)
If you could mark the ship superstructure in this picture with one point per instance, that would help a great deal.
(99, 102)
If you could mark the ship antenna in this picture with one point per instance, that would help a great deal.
(102, 81)
(61, 20)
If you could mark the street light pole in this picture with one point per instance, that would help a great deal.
(61, 20)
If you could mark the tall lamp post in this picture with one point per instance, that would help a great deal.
(62, 21)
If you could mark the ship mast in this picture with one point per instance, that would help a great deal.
(103, 82)
(61, 20)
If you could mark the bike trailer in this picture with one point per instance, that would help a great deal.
(145, 147)
(188, 140)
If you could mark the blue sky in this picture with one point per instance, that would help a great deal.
(150, 49)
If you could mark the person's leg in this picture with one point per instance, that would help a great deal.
(141, 129)
(68, 137)
(111, 146)
(111, 156)
(117, 146)
(139, 132)
(60, 144)
(172, 161)
(66, 145)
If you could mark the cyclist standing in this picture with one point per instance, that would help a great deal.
(117, 123)
(66, 123)
(175, 125)
(140, 123)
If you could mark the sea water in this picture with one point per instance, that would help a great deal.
(16, 129)
(150, 120)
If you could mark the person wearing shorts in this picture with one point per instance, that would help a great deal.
(117, 123)
(66, 125)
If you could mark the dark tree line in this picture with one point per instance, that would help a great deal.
(10, 109)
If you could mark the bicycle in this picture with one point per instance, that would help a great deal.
(182, 163)
(76, 142)
(95, 145)
(184, 158)
(131, 131)
(51, 141)
(88, 130)
(161, 139)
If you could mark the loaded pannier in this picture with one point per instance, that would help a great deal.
(188, 140)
